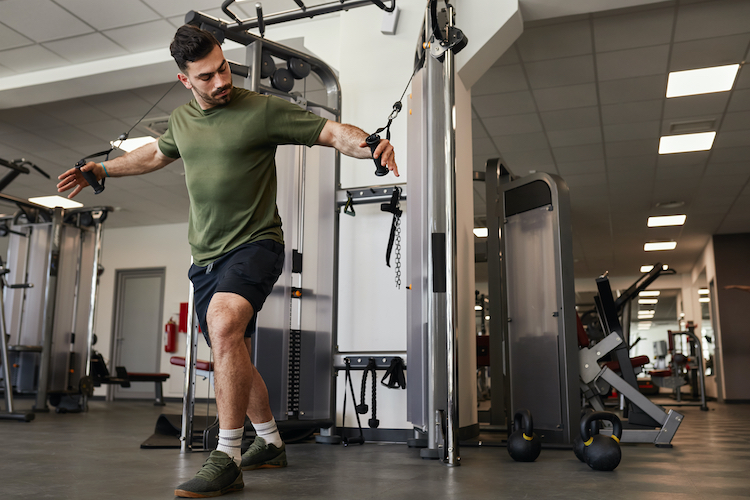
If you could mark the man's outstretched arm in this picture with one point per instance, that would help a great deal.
(350, 140)
(139, 161)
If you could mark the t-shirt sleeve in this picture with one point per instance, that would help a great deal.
(166, 143)
(287, 123)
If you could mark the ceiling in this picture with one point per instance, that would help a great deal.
(584, 97)
(581, 97)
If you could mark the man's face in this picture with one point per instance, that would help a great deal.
(209, 78)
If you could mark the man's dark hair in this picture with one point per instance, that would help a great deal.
(190, 44)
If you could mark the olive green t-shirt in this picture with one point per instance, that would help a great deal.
(230, 171)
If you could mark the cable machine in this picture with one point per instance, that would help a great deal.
(53, 257)
(295, 338)
(432, 307)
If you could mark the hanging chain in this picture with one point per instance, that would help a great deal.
(398, 253)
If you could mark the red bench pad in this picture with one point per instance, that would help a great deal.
(200, 364)
(636, 361)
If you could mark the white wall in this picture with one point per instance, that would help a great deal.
(147, 247)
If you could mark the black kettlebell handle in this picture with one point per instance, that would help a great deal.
(522, 419)
(373, 141)
(600, 415)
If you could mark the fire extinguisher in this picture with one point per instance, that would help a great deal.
(170, 336)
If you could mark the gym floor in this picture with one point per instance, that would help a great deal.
(97, 455)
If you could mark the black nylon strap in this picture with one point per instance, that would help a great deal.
(392, 207)
(395, 374)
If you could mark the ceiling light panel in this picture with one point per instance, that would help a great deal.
(55, 201)
(480, 232)
(131, 144)
(650, 293)
(655, 246)
(646, 269)
(667, 220)
(686, 143)
(702, 81)
(648, 301)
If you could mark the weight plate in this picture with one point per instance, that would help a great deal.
(282, 80)
(267, 66)
(299, 68)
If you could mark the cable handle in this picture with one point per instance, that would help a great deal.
(373, 141)
(90, 176)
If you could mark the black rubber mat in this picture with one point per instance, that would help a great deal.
(168, 429)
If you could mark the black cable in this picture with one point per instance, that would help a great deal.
(126, 134)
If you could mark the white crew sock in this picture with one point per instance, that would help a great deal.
(230, 442)
(269, 432)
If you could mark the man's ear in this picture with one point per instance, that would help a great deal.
(184, 80)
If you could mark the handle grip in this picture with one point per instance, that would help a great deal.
(373, 141)
(90, 178)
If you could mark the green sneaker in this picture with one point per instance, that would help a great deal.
(218, 476)
(263, 456)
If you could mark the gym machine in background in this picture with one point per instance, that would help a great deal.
(50, 325)
(532, 302)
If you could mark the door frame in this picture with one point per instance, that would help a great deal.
(121, 277)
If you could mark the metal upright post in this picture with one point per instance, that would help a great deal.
(451, 296)
(94, 290)
(188, 401)
(48, 320)
(253, 57)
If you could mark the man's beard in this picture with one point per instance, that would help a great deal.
(216, 101)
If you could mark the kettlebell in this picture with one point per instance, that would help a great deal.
(601, 452)
(578, 445)
(523, 444)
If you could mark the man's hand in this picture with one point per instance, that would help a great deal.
(385, 152)
(350, 141)
(73, 178)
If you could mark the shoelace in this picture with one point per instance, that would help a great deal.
(211, 468)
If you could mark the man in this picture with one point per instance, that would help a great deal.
(227, 138)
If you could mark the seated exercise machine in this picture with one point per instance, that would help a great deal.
(647, 422)
(683, 369)
(100, 375)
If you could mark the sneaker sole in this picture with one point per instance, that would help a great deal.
(236, 486)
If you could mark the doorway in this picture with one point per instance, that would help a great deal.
(138, 314)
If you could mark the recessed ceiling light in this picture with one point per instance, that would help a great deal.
(646, 269)
(660, 245)
(644, 326)
(129, 145)
(670, 204)
(648, 301)
(477, 308)
(704, 299)
(702, 81)
(666, 220)
(703, 291)
(55, 201)
(650, 293)
(481, 232)
(686, 143)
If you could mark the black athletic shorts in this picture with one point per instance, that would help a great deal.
(250, 270)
